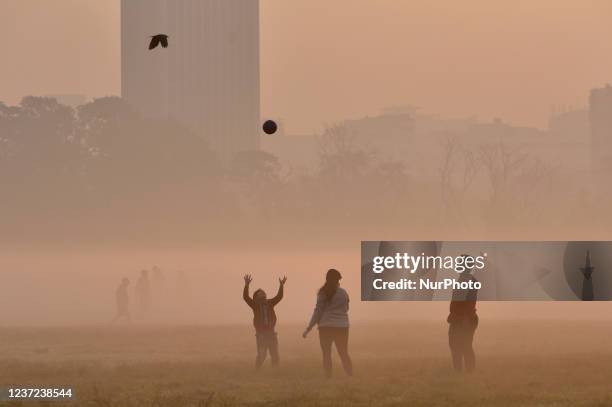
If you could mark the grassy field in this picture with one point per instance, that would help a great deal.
(519, 364)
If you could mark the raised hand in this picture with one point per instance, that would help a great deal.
(247, 279)
(283, 280)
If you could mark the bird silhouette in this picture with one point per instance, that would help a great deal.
(158, 39)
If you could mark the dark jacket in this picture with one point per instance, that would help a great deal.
(463, 303)
(264, 317)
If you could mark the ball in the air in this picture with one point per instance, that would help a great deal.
(270, 127)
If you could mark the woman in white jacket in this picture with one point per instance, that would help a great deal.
(331, 315)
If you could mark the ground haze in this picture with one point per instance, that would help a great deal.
(533, 363)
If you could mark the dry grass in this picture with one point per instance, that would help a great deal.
(520, 364)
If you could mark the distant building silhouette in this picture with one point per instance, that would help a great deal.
(600, 115)
(208, 79)
(392, 127)
(569, 123)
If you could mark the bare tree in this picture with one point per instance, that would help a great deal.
(458, 170)
(501, 165)
(517, 182)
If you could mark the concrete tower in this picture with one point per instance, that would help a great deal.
(208, 78)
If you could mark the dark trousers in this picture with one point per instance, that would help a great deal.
(460, 338)
(267, 341)
(339, 336)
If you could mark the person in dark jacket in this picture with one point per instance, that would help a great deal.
(264, 320)
(462, 323)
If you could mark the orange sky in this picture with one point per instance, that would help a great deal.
(327, 60)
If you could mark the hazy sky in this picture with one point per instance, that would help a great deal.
(327, 60)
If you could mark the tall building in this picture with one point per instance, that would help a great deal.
(600, 117)
(207, 79)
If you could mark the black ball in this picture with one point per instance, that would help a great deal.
(270, 127)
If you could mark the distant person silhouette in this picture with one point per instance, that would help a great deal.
(143, 294)
(463, 322)
(158, 39)
(264, 320)
(331, 315)
(123, 302)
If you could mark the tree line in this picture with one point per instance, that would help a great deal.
(102, 171)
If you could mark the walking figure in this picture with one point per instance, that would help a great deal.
(331, 316)
(123, 302)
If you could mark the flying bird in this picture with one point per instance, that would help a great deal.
(158, 39)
